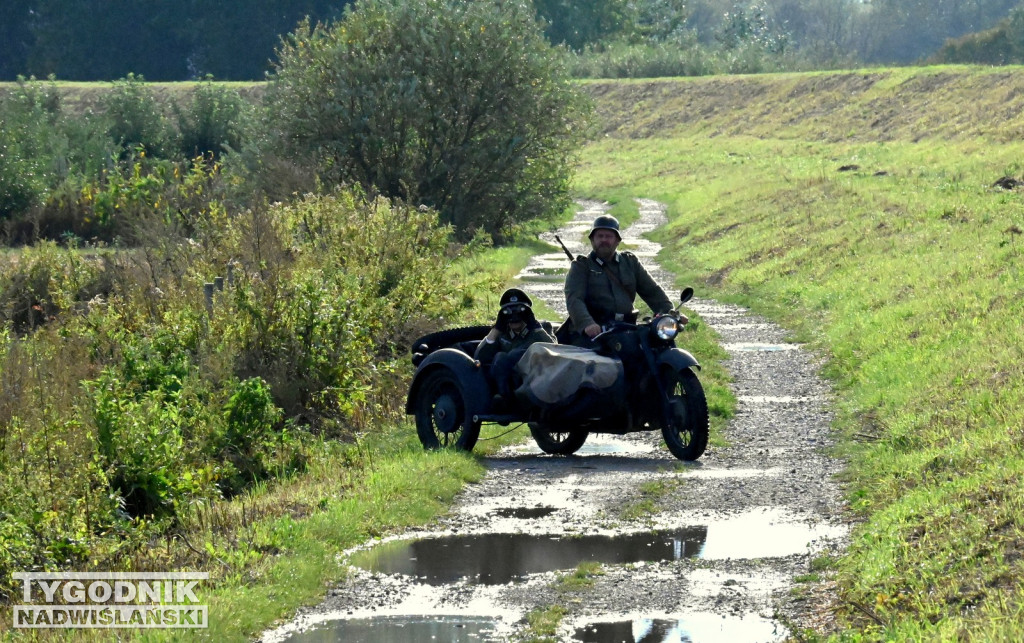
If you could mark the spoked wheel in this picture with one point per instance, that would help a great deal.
(687, 434)
(442, 416)
(556, 442)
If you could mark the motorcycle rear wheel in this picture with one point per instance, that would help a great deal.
(442, 415)
(687, 435)
(555, 442)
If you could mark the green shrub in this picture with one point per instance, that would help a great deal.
(215, 121)
(125, 403)
(252, 432)
(45, 158)
(135, 120)
(44, 282)
(1000, 45)
(363, 277)
(27, 166)
(460, 106)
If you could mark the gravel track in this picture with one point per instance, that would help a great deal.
(765, 506)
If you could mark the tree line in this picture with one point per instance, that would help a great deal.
(94, 40)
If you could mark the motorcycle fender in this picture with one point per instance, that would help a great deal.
(465, 368)
(678, 359)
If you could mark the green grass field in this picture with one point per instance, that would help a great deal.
(878, 236)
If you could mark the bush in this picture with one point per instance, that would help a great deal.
(28, 167)
(327, 332)
(215, 121)
(134, 119)
(125, 401)
(1001, 45)
(461, 106)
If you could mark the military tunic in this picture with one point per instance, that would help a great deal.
(593, 297)
(509, 341)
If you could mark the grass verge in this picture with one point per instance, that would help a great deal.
(898, 259)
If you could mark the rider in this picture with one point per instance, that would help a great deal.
(602, 286)
(514, 330)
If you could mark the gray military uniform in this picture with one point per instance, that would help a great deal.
(593, 297)
(510, 341)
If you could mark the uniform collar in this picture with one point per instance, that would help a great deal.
(600, 261)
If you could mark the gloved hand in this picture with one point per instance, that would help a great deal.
(530, 319)
(501, 323)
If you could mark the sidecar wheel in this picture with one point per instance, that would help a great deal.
(442, 415)
(555, 442)
(687, 437)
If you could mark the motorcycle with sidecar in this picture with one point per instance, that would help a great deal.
(655, 387)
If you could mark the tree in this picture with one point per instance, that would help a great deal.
(460, 106)
(577, 24)
(108, 39)
(15, 38)
(905, 31)
(220, 27)
(1001, 45)
(163, 41)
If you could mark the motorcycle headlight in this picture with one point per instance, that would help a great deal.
(666, 327)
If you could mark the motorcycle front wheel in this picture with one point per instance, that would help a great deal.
(687, 434)
(442, 417)
(555, 442)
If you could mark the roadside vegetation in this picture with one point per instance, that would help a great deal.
(200, 369)
(255, 428)
(890, 240)
(205, 325)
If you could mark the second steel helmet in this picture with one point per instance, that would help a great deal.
(605, 222)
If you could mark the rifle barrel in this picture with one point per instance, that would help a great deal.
(567, 253)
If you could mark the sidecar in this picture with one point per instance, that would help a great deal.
(634, 378)
(452, 394)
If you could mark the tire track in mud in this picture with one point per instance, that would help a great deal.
(735, 527)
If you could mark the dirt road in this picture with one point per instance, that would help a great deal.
(705, 551)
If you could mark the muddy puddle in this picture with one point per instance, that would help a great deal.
(406, 629)
(496, 559)
(499, 558)
(694, 628)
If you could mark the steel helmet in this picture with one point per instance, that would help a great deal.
(605, 222)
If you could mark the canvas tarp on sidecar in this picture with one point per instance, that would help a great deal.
(555, 374)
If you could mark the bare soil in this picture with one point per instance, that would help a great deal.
(764, 508)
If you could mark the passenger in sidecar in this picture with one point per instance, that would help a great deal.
(453, 393)
(514, 330)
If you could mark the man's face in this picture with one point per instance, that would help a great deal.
(604, 243)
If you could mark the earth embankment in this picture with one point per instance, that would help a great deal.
(912, 104)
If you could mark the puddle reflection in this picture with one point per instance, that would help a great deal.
(696, 628)
(494, 559)
(394, 629)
